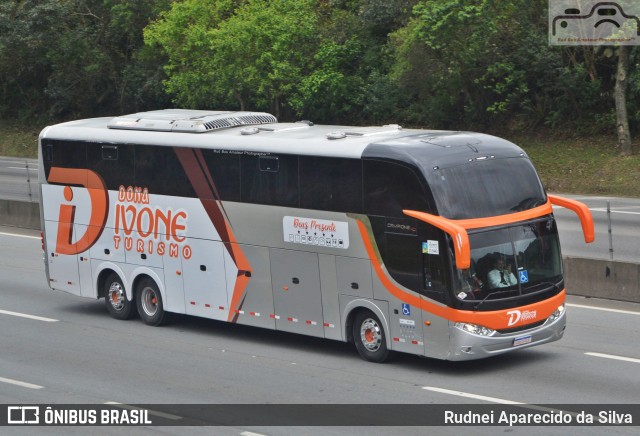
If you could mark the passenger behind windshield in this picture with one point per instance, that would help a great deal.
(499, 276)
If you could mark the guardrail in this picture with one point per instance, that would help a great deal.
(598, 278)
(19, 179)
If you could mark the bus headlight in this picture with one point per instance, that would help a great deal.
(557, 313)
(475, 329)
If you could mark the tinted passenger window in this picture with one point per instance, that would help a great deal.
(114, 163)
(225, 170)
(402, 259)
(270, 180)
(389, 188)
(159, 170)
(64, 154)
(331, 184)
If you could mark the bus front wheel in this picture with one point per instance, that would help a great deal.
(149, 302)
(115, 298)
(369, 337)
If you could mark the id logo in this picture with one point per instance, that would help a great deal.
(516, 315)
(23, 415)
(99, 206)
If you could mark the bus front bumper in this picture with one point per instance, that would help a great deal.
(468, 346)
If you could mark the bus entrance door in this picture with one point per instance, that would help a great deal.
(297, 299)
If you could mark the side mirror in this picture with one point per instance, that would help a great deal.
(458, 233)
(583, 212)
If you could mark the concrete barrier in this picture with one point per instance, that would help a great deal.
(612, 280)
(19, 214)
(587, 277)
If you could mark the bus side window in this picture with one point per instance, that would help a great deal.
(434, 285)
(114, 163)
(402, 260)
(65, 154)
(47, 151)
(269, 180)
(331, 184)
(225, 171)
(390, 188)
(159, 170)
(110, 152)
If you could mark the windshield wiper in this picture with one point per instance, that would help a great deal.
(491, 294)
(553, 285)
(527, 203)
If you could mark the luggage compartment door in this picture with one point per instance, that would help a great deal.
(297, 298)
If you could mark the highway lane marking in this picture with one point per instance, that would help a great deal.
(472, 396)
(494, 400)
(250, 433)
(19, 236)
(613, 357)
(604, 309)
(20, 383)
(151, 412)
(26, 315)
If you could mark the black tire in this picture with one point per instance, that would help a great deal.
(370, 337)
(149, 302)
(115, 297)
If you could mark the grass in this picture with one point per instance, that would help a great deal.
(583, 165)
(16, 140)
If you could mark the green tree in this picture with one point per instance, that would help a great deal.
(483, 63)
(96, 60)
(27, 30)
(69, 58)
(251, 54)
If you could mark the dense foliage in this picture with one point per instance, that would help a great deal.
(478, 64)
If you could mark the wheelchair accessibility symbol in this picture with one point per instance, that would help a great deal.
(524, 276)
(406, 309)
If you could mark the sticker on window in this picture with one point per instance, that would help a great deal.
(430, 247)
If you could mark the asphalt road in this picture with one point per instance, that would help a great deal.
(73, 352)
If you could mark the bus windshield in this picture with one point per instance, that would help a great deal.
(511, 262)
(484, 188)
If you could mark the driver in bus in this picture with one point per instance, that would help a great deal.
(501, 277)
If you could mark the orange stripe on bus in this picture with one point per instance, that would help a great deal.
(497, 319)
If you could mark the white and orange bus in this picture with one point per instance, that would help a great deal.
(434, 243)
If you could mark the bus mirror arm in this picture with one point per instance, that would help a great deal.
(458, 233)
(583, 212)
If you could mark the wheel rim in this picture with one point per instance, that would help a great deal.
(149, 300)
(371, 334)
(116, 296)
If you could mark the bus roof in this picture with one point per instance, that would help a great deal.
(260, 132)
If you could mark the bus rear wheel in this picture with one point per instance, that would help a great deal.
(115, 298)
(149, 302)
(369, 337)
